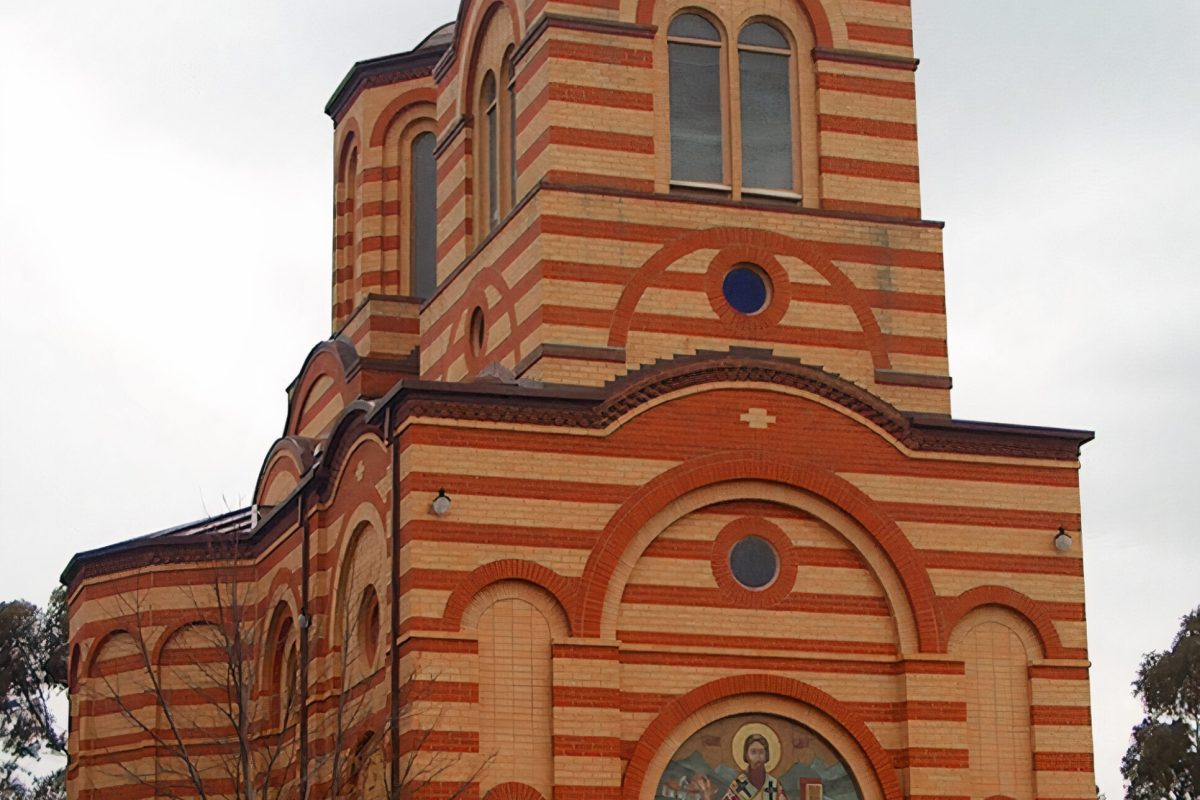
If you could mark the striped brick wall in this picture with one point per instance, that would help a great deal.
(606, 435)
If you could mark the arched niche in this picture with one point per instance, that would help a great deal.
(722, 711)
(997, 646)
(516, 624)
(622, 553)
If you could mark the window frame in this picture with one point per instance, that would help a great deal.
(779, 27)
(733, 185)
(721, 45)
(488, 154)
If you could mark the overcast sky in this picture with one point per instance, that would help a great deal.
(165, 173)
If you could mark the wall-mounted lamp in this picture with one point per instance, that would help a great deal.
(441, 503)
(1063, 541)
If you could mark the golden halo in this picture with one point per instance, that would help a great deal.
(744, 732)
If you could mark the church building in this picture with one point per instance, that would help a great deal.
(628, 470)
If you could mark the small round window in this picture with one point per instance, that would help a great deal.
(754, 563)
(746, 289)
(476, 331)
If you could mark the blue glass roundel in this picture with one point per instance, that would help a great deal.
(745, 289)
(754, 563)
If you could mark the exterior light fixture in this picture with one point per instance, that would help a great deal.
(441, 503)
(1063, 541)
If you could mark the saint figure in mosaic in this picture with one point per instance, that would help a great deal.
(754, 756)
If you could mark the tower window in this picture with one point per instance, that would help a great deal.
(697, 143)
(510, 81)
(489, 102)
(759, 121)
(764, 57)
(423, 210)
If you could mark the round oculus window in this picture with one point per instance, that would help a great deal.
(746, 289)
(754, 563)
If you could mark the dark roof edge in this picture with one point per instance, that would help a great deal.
(417, 61)
(940, 422)
(232, 523)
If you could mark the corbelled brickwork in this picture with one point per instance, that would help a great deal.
(499, 551)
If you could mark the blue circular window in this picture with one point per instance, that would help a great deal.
(745, 289)
(754, 563)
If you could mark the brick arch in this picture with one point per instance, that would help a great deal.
(677, 711)
(811, 253)
(477, 15)
(513, 791)
(101, 642)
(332, 357)
(954, 609)
(396, 107)
(813, 10)
(560, 589)
(202, 620)
(658, 494)
(350, 138)
(458, 316)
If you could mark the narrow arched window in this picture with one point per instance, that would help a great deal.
(510, 82)
(491, 181)
(764, 71)
(697, 148)
(423, 210)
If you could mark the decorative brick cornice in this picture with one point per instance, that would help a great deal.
(581, 408)
(599, 408)
(865, 59)
(380, 72)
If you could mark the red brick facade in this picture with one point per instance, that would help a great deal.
(608, 428)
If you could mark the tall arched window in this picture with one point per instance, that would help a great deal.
(697, 142)
(352, 207)
(510, 83)
(489, 106)
(764, 72)
(423, 211)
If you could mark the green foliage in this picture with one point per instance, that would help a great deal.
(33, 668)
(1163, 760)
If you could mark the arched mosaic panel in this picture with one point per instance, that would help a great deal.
(756, 757)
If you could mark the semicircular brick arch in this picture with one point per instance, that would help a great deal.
(561, 590)
(397, 107)
(819, 18)
(679, 710)
(474, 18)
(954, 609)
(513, 791)
(811, 253)
(597, 586)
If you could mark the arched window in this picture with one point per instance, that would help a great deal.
(489, 106)
(510, 82)
(351, 180)
(764, 61)
(697, 141)
(423, 210)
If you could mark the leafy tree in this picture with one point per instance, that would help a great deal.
(33, 668)
(1163, 760)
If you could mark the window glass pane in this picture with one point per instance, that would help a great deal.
(512, 144)
(493, 175)
(423, 205)
(693, 26)
(696, 150)
(766, 121)
(760, 34)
